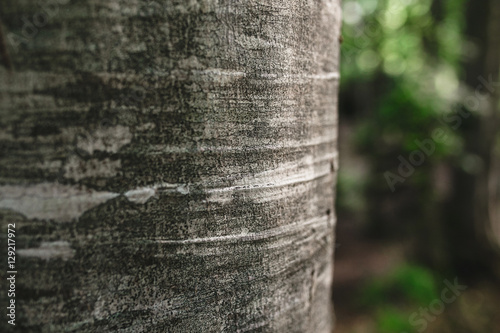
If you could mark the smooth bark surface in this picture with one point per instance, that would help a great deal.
(170, 165)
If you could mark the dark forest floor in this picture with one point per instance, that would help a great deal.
(358, 261)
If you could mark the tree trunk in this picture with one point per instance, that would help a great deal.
(471, 222)
(169, 165)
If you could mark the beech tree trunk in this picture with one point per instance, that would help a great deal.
(169, 165)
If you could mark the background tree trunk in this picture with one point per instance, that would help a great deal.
(169, 165)
(471, 224)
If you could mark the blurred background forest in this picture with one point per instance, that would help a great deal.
(418, 196)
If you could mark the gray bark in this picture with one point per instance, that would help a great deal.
(170, 165)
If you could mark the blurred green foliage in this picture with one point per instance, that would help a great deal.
(409, 287)
(402, 38)
(390, 320)
(400, 70)
(413, 52)
(406, 285)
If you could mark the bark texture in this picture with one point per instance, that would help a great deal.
(170, 165)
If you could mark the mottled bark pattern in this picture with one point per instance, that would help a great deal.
(170, 165)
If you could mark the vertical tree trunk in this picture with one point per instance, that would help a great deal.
(169, 165)
(471, 224)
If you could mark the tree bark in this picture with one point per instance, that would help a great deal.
(169, 165)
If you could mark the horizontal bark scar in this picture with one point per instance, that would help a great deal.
(49, 250)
